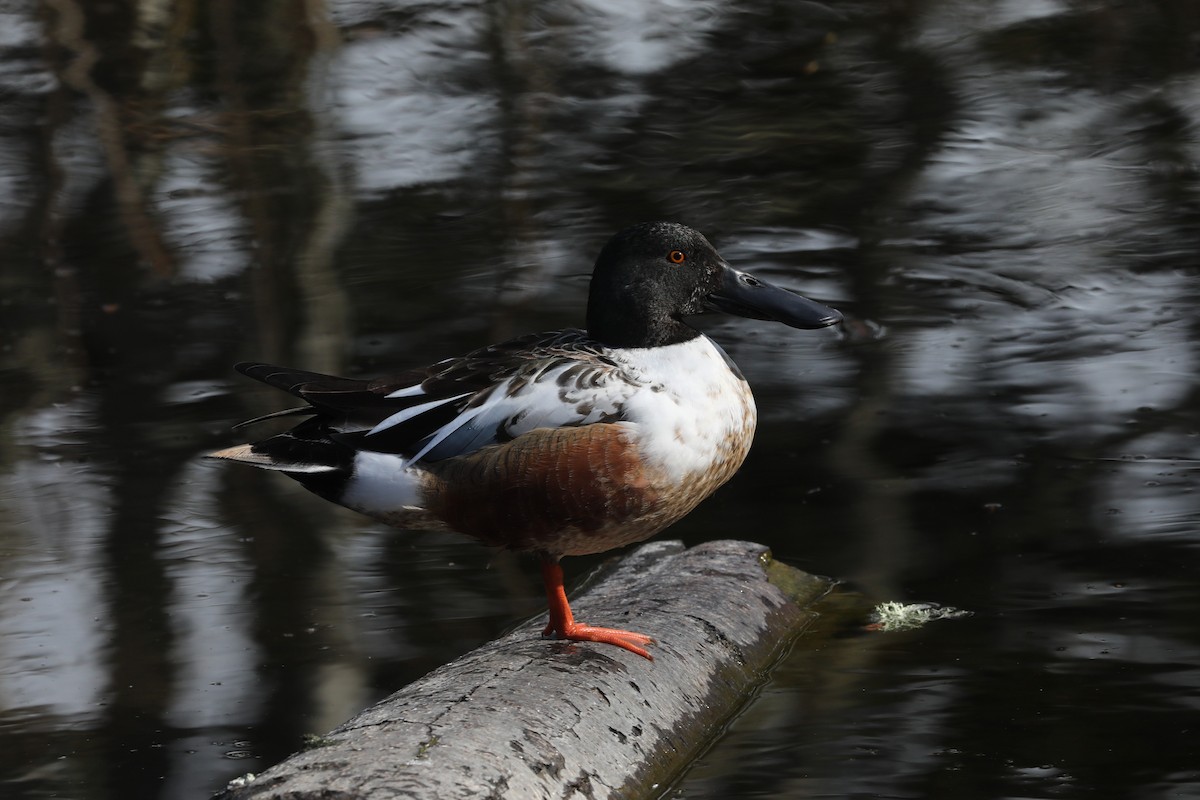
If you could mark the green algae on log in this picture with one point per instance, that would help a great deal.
(525, 717)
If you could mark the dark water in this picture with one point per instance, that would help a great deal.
(1002, 196)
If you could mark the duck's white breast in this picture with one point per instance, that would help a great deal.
(694, 410)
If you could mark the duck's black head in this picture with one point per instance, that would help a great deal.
(650, 277)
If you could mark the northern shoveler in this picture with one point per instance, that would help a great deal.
(560, 443)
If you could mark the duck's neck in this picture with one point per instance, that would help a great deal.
(618, 325)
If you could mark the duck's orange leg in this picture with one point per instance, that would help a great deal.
(563, 624)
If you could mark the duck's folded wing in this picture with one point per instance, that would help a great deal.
(557, 379)
(552, 392)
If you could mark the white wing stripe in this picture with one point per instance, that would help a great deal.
(447, 429)
(407, 391)
(484, 411)
(413, 411)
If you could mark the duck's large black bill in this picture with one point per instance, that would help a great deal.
(748, 296)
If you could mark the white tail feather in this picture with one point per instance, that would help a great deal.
(244, 454)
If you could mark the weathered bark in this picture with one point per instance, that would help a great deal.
(523, 717)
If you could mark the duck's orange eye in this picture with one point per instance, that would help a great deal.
(676, 257)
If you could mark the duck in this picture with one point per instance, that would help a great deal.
(560, 443)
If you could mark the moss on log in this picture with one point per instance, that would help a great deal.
(525, 717)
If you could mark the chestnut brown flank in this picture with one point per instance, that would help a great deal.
(549, 490)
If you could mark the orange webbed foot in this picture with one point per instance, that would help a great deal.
(629, 640)
(563, 625)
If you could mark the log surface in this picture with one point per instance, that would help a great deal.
(526, 717)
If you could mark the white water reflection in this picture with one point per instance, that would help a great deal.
(407, 120)
(200, 217)
(53, 631)
(635, 37)
(205, 561)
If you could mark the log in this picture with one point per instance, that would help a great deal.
(526, 717)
